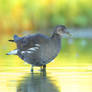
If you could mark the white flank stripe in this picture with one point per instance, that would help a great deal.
(31, 48)
(37, 45)
(22, 52)
(34, 48)
(14, 52)
(28, 51)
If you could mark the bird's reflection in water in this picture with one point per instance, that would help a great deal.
(37, 82)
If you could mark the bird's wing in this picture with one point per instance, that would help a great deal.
(31, 50)
(30, 41)
(31, 54)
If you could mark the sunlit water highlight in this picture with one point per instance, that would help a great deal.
(56, 79)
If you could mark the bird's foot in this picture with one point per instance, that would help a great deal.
(32, 69)
(43, 69)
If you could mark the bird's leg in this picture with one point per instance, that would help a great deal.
(32, 69)
(41, 68)
(44, 68)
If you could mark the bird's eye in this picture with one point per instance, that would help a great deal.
(59, 29)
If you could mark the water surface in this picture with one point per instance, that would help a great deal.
(71, 71)
(56, 79)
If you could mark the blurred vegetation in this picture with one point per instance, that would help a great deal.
(19, 15)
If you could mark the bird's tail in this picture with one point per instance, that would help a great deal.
(16, 38)
(13, 52)
(11, 40)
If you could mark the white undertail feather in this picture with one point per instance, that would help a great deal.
(14, 52)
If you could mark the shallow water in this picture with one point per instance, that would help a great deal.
(55, 79)
(71, 71)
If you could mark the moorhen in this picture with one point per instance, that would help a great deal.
(39, 49)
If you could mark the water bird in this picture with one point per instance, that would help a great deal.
(39, 49)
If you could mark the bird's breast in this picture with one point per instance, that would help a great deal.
(50, 51)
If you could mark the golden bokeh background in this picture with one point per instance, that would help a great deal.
(23, 17)
(72, 67)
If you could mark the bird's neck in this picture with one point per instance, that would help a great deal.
(56, 36)
(56, 41)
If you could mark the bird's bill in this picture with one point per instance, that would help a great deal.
(69, 34)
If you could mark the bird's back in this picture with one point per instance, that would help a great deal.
(38, 49)
(30, 48)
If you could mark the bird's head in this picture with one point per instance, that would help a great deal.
(61, 30)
